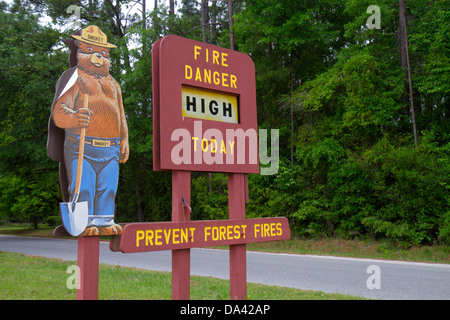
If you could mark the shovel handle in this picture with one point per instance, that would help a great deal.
(81, 152)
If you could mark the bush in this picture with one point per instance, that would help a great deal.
(391, 190)
(54, 221)
(410, 187)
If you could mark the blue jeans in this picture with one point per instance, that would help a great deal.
(99, 179)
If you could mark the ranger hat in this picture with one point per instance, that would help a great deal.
(93, 35)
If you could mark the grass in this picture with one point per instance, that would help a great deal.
(36, 278)
(384, 249)
(25, 229)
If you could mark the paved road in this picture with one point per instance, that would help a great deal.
(396, 279)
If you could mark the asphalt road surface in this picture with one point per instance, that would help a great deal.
(377, 279)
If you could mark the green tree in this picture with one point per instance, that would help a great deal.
(430, 59)
(333, 87)
(29, 69)
(356, 106)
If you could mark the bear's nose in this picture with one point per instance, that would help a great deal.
(98, 55)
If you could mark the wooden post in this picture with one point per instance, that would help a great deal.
(238, 258)
(88, 255)
(181, 259)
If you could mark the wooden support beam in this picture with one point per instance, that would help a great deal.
(88, 255)
(238, 257)
(181, 259)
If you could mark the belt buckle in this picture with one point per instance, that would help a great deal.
(101, 143)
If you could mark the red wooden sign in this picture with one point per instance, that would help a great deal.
(156, 236)
(204, 119)
(206, 98)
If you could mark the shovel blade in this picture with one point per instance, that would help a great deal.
(74, 216)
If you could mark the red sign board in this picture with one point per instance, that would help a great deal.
(156, 236)
(204, 119)
(206, 98)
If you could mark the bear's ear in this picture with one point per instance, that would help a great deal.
(76, 33)
(73, 51)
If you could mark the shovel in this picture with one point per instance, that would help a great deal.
(75, 214)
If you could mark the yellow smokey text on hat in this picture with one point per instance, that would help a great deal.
(93, 35)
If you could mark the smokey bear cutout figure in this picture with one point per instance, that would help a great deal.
(88, 97)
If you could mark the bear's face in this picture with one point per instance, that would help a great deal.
(93, 59)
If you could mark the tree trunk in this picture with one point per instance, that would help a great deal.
(205, 20)
(155, 17)
(35, 222)
(404, 60)
(171, 7)
(213, 20)
(144, 22)
(144, 26)
(230, 23)
(91, 9)
(292, 121)
(140, 211)
(171, 13)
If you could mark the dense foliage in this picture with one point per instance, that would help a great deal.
(336, 89)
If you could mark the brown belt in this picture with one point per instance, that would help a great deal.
(94, 142)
